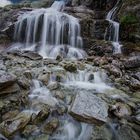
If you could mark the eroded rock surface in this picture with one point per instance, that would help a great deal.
(89, 108)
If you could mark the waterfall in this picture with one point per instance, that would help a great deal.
(4, 3)
(50, 32)
(114, 29)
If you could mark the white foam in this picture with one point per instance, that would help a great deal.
(4, 3)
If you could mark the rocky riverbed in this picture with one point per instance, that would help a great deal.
(96, 97)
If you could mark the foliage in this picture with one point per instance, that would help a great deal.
(130, 18)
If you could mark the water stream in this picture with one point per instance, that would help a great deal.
(52, 33)
(114, 29)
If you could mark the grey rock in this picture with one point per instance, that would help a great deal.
(53, 85)
(132, 62)
(121, 110)
(89, 108)
(6, 79)
(126, 133)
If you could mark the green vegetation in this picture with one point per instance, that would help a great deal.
(130, 18)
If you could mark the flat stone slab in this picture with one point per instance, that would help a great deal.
(89, 108)
(6, 79)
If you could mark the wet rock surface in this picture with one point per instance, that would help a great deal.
(9, 127)
(89, 108)
(6, 79)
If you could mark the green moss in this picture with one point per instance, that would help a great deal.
(130, 18)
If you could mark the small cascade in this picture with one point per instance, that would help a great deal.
(114, 29)
(87, 80)
(50, 32)
(72, 130)
(40, 94)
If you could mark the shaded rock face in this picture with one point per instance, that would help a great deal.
(6, 79)
(95, 4)
(132, 62)
(129, 17)
(89, 108)
(9, 127)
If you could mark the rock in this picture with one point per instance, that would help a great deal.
(136, 95)
(28, 54)
(10, 115)
(50, 61)
(32, 55)
(129, 17)
(45, 78)
(29, 129)
(41, 3)
(53, 85)
(71, 67)
(24, 83)
(2, 66)
(28, 74)
(126, 133)
(97, 47)
(51, 126)
(121, 110)
(41, 137)
(113, 70)
(89, 108)
(136, 75)
(6, 79)
(137, 118)
(102, 133)
(43, 113)
(9, 127)
(59, 94)
(134, 83)
(132, 62)
(10, 89)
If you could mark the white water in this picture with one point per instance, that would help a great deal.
(72, 130)
(40, 94)
(87, 80)
(58, 34)
(4, 3)
(115, 26)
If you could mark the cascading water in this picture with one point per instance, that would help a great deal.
(87, 80)
(72, 130)
(114, 29)
(4, 3)
(50, 32)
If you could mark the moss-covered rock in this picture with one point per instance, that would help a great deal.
(129, 17)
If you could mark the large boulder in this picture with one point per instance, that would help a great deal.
(129, 16)
(89, 108)
(6, 79)
(9, 127)
(132, 62)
